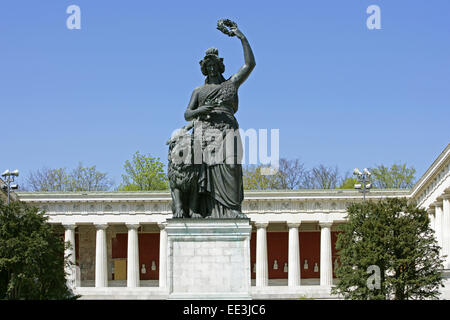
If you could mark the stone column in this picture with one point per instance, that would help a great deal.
(101, 263)
(133, 255)
(294, 255)
(326, 265)
(162, 255)
(69, 236)
(430, 212)
(262, 270)
(445, 231)
(438, 222)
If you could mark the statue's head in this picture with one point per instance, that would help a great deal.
(212, 65)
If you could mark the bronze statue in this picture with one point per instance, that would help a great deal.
(213, 164)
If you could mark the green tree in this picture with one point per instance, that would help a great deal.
(348, 183)
(144, 172)
(398, 176)
(395, 237)
(79, 179)
(32, 262)
(254, 179)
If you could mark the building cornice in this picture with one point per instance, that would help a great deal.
(436, 167)
(149, 203)
(139, 196)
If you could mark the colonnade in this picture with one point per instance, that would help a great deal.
(101, 259)
(440, 222)
(262, 278)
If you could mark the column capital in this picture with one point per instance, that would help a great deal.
(438, 203)
(162, 225)
(325, 224)
(100, 226)
(69, 226)
(293, 224)
(446, 196)
(131, 225)
(430, 210)
(259, 225)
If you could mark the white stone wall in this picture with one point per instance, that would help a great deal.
(209, 258)
(210, 267)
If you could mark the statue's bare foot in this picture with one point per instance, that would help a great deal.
(178, 214)
(238, 214)
(196, 215)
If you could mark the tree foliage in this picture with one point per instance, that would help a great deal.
(79, 179)
(348, 183)
(398, 176)
(32, 262)
(396, 237)
(255, 179)
(144, 172)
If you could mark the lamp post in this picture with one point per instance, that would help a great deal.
(364, 178)
(9, 177)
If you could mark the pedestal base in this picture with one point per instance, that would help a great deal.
(209, 258)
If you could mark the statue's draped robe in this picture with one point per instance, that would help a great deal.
(220, 180)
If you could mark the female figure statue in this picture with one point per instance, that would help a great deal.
(212, 108)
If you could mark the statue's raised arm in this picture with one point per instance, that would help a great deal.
(249, 60)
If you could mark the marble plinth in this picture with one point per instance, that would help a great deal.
(208, 258)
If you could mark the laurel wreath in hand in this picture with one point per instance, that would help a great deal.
(225, 25)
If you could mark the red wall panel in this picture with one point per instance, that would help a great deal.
(148, 252)
(309, 250)
(277, 249)
(119, 246)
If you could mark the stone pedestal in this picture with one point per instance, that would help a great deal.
(208, 258)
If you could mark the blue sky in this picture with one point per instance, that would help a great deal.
(340, 94)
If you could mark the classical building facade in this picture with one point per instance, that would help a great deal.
(120, 239)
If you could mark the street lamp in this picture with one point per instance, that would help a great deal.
(364, 178)
(9, 177)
